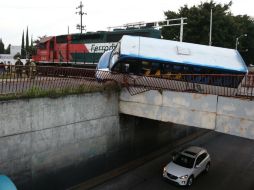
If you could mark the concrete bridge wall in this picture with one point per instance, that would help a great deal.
(227, 115)
(235, 117)
(42, 138)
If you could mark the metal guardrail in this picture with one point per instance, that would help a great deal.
(21, 79)
(18, 80)
(218, 84)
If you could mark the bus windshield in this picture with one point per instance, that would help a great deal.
(104, 60)
(115, 55)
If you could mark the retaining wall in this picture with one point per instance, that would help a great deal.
(56, 143)
(39, 138)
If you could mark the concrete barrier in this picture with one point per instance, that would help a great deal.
(235, 117)
(181, 108)
(223, 114)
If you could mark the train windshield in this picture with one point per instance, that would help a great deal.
(115, 55)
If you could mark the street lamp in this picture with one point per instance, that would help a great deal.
(238, 38)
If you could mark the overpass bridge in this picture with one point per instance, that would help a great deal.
(156, 97)
(223, 114)
(52, 140)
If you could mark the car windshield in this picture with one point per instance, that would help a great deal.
(184, 161)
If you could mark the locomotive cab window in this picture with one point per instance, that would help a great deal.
(42, 45)
(61, 39)
(51, 44)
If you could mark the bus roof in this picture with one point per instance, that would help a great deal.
(182, 53)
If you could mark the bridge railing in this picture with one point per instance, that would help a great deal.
(22, 79)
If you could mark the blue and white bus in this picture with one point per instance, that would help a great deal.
(164, 59)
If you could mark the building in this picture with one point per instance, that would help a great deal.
(8, 58)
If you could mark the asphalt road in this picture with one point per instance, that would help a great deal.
(232, 167)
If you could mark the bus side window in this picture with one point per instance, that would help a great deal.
(177, 71)
(166, 68)
(177, 68)
(126, 67)
(118, 67)
(186, 70)
(132, 68)
(145, 68)
(135, 67)
(155, 68)
(122, 67)
(196, 70)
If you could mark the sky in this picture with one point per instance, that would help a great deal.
(53, 17)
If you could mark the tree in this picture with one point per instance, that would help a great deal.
(16, 56)
(1, 46)
(23, 52)
(32, 43)
(197, 29)
(27, 40)
(245, 25)
(8, 49)
(226, 27)
(32, 47)
(37, 41)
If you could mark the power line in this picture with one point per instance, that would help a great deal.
(156, 24)
(81, 13)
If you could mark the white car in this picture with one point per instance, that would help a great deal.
(187, 165)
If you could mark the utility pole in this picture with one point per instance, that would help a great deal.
(181, 29)
(211, 28)
(81, 13)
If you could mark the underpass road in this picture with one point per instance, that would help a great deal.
(232, 168)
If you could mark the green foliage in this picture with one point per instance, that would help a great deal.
(2, 50)
(8, 49)
(31, 45)
(27, 40)
(23, 52)
(16, 55)
(35, 92)
(1, 46)
(226, 27)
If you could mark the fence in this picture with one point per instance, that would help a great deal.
(18, 80)
(22, 79)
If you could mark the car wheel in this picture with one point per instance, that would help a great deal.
(190, 181)
(207, 167)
